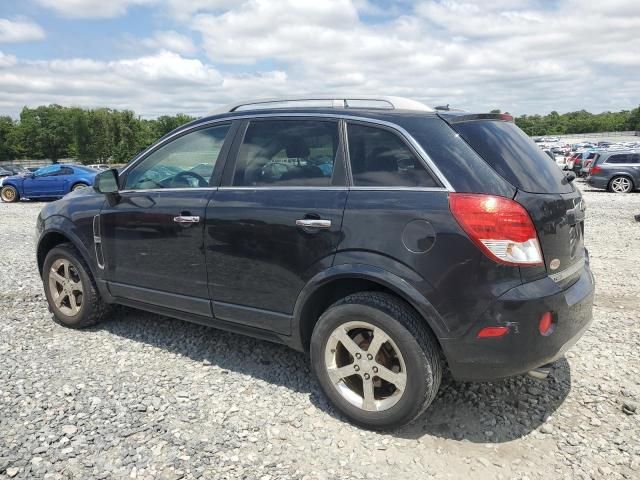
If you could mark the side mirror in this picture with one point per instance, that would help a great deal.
(106, 181)
(569, 177)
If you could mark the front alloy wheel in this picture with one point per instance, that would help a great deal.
(65, 287)
(9, 194)
(70, 288)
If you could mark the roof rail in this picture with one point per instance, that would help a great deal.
(327, 101)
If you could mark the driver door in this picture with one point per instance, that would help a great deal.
(152, 233)
(47, 181)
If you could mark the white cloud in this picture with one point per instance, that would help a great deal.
(152, 85)
(19, 30)
(7, 60)
(91, 8)
(170, 40)
(522, 56)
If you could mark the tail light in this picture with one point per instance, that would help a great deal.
(596, 169)
(499, 226)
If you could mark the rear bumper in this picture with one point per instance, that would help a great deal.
(524, 347)
(597, 182)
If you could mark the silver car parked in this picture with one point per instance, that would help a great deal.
(616, 171)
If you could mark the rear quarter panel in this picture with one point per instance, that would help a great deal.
(380, 229)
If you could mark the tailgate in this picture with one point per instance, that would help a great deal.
(559, 220)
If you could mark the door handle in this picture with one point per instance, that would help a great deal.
(186, 219)
(313, 223)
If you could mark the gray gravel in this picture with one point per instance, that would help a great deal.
(142, 396)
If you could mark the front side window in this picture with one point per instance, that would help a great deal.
(49, 171)
(288, 153)
(379, 158)
(186, 162)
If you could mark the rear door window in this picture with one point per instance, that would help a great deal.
(514, 156)
(619, 158)
(380, 158)
(287, 153)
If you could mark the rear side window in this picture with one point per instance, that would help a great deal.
(287, 153)
(379, 158)
(619, 158)
(514, 156)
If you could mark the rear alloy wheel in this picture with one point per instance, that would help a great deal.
(9, 194)
(376, 360)
(78, 186)
(365, 366)
(621, 184)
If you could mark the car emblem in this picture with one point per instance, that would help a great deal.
(554, 264)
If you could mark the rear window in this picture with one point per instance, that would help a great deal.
(512, 154)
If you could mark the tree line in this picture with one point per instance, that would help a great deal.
(579, 122)
(90, 136)
(116, 136)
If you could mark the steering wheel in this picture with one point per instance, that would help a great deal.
(184, 175)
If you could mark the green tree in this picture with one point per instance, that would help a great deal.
(7, 137)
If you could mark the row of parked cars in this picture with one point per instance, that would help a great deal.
(611, 166)
(55, 181)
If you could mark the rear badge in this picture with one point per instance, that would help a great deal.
(555, 263)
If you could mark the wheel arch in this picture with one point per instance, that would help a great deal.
(80, 181)
(14, 184)
(339, 281)
(54, 236)
(623, 174)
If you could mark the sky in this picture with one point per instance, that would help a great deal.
(160, 57)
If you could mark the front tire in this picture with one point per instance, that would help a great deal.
(78, 186)
(70, 288)
(620, 184)
(376, 360)
(9, 194)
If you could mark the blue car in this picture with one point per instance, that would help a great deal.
(53, 181)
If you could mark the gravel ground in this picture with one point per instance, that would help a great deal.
(142, 396)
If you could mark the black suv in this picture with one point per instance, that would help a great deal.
(387, 239)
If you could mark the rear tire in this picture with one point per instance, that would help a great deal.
(386, 371)
(9, 194)
(620, 184)
(78, 186)
(70, 289)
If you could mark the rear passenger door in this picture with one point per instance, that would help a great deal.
(395, 208)
(276, 220)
